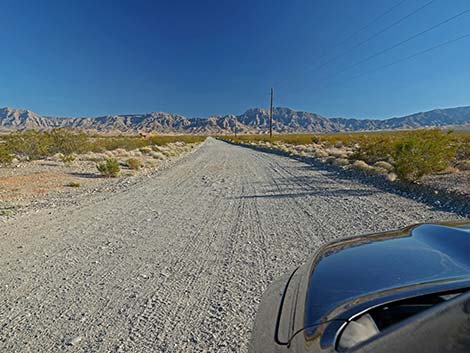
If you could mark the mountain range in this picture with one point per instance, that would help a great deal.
(255, 120)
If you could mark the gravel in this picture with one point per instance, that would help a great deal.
(178, 262)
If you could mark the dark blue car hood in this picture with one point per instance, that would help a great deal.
(348, 272)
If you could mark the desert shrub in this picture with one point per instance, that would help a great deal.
(361, 165)
(378, 170)
(121, 152)
(339, 144)
(68, 142)
(463, 148)
(321, 153)
(341, 162)
(157, 155)
(73, 184)
(134, 163)
(102, 143)
(92, 157)
(109, 168)
(32, 144)
(145, 150)
(29, 144)
(316, 139)
(411, 154)
(422, 152)
(67, 158)
(5, 155)
(384, 165)
(374, 149)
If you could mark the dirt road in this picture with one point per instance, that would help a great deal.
(178, 263)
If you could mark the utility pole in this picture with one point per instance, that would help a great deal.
(271, 116)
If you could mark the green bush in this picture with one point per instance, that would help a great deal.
(376, 149)
(33, 145)
(109, 168)
(5, 155)
(68, 142)
(29, 144)
(423, 152)
(412, 153)
(463, 148)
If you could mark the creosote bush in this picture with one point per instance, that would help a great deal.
(423, 152)
(109, 168)
(5, 156)
(32, 145)
(411, 154)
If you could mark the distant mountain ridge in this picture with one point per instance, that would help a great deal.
(254, 120)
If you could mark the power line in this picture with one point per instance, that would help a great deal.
(396, 45)
(271, 115)
(383, 14)
(401, 43)
(414, 36)
(440, 45)
(397, 22)
(375, 35)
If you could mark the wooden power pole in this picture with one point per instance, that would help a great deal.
(271, 115)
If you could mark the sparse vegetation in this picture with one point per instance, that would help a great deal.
(410, 155)
(145, 150)
(109, 168)
(7, 210)
(134, 163)
(29, 145)
(33, 145)
(67, 158)
(73, 184)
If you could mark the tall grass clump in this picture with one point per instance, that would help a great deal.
(134, 163)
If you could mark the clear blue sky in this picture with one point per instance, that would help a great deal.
(198, 58)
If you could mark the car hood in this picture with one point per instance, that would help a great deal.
(349, 272)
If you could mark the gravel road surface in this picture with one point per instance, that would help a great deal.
(178, 262)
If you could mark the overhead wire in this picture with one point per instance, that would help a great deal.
(414, 36)
(421, 52)
(396, 45)
(375, 35)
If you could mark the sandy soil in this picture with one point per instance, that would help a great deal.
(31, 186)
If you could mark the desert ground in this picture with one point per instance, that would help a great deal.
(178, 260)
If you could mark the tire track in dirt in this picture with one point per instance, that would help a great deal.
(178, 262)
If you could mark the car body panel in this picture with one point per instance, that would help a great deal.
(346, 277)
(346, 273)
(444, 328)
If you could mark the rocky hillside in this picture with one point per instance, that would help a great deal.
(254, 120)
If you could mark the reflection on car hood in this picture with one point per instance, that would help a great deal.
(418, 257)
